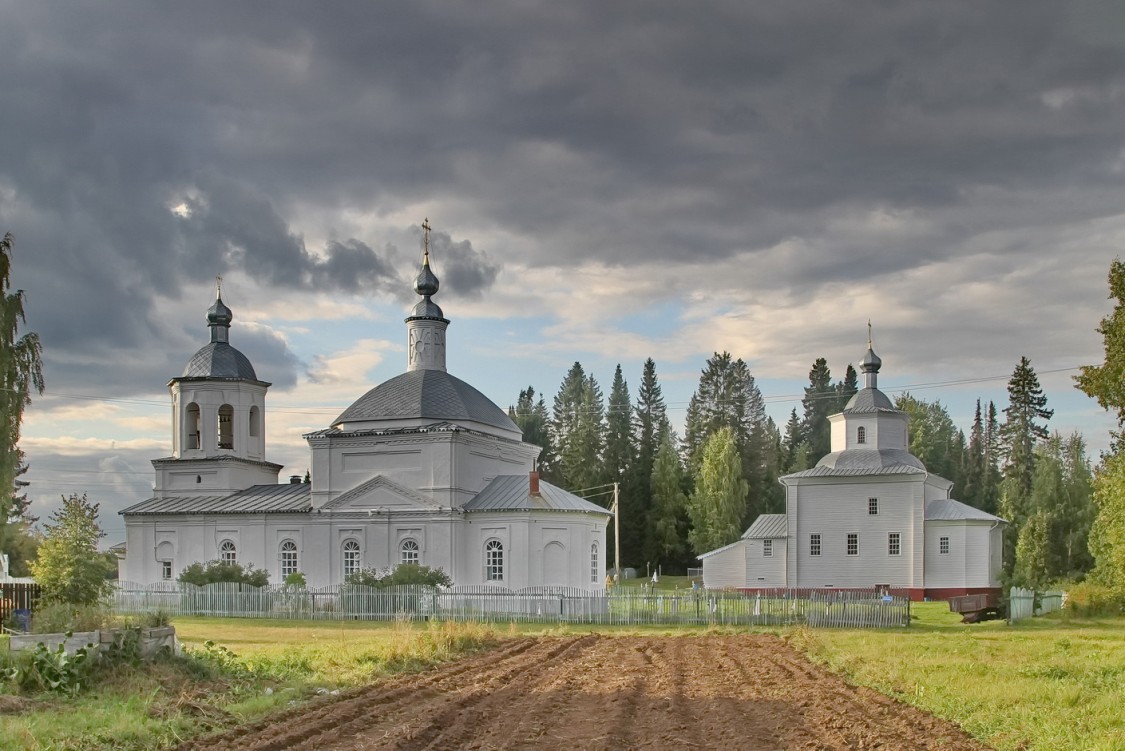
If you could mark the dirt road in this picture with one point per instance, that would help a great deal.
(742, 692)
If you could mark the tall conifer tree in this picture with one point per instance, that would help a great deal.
(669, 506)
(577, 430)
(21, 372)
(620, 465)
(532, 418)
(821, 399)
(715, 508)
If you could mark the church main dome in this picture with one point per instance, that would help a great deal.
(219, 360)
(426, 394)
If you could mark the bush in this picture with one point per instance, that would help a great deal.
(402, 575)
(295, 579)
(61, 617)
(1089, 598)
(214, 572)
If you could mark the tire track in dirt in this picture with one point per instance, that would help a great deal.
(750, 692)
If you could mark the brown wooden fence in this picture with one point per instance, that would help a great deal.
(16, 596)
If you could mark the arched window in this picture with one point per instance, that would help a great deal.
(288, 558)
(494, 561)
(409, 551)
(191, 427)
(228, 553)
(861, 435)
(594, 563)
(226, 427)
(255, 423)
(351, 558)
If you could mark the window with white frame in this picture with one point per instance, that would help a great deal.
(767, 548)
(166, 570)
(943, 546)
(594, 563)
(288, 558)
(853, 543)
(351, 557)
(409, 552)
(814, 544)
(861, 435)
(493, 561)
(872, 506)
(228, 553)
(894, 543)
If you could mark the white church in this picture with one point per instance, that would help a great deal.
(868, 514)
(422, 469)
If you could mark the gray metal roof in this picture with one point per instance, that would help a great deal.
(257, 499)
(869, 400)
(767, 526)
(876, 459)
(426, 394)
(219, 360)
(427, 308)
(857, 471)
(513, 493)
(947, 509)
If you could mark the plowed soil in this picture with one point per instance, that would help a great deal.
(598, 692)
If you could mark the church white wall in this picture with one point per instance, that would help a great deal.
(974, 557)
(210, 396)
(835, 507)
(189, 478)
(449, 467)
(725, 567)
(763, 570)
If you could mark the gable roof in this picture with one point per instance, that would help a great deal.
(767, 527)
(285, 498)
(512, 493)
(859, 462)
(348, 498)
(947, 509)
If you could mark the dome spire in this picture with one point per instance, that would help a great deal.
(871, 363)
(219, 315)
(426, 324)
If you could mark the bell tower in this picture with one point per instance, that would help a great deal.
(218, 419)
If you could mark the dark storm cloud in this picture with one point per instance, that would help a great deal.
(625, 131)
(463, 270)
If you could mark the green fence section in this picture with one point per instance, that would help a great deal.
(625, 607)
(1027, 603)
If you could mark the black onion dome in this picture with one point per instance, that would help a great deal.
(219, 360)
(219, 314)
(426, 283)
(430, 395)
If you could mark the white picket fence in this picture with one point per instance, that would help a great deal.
(621, 606)
(1022, 603)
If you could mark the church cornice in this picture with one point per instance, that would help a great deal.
(221, 458)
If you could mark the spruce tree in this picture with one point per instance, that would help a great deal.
(650, 416)
(727, 396)
(990, 486)
(821, 399)
(716, 505)
(1018, 436)
(669, 506)
(21, 372)
(794, 437)
(933, 437)
(69, 567)
(532, 418)
(972, 487)
(577, 430)
(846, 388)
(619, 463)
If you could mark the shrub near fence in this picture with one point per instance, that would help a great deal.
(624, 607)
(17, 596)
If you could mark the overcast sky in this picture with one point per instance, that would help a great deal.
(606, 182)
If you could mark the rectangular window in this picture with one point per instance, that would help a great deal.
(853, 543)
(894, 543)
(873, 506)
(943, 546)
(767, 548)
(814, 544)
(166, 570)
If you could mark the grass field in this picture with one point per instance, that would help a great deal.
(1045, 683)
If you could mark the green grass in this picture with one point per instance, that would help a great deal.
(1043, 683)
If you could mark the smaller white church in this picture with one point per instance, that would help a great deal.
(868, 514)
(421, 469)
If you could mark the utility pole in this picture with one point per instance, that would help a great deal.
(617, 531)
